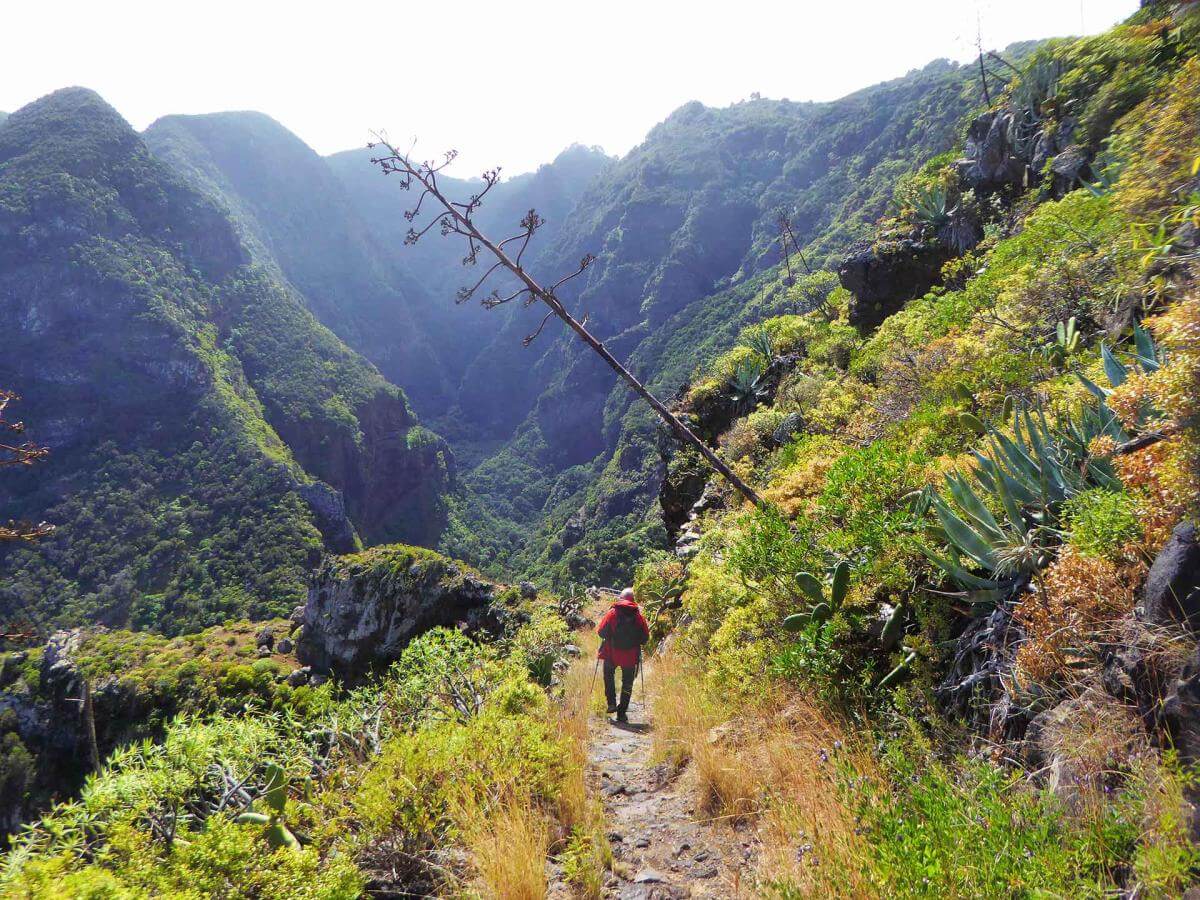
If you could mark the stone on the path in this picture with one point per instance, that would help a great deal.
(649, 876)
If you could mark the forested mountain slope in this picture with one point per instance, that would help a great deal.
(200, 419)
(953, 650)
(297, 218)
(680, 227)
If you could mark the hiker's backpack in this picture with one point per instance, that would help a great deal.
(625, 633)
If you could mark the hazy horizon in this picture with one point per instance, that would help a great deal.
(332, 80)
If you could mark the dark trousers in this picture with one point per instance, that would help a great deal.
(628, 674)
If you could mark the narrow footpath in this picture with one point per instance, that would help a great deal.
(662, 847)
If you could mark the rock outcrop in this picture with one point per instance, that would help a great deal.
(1004, 152)
(886, 275)
(363, 609)
(1172, 591)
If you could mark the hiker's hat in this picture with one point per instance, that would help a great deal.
(627, 594)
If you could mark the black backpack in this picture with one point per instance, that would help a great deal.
(625, 633)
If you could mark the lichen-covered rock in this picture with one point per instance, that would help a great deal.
(992, 162)
(681, 489)
(363, 609)
(329, 507)
(1070, 169)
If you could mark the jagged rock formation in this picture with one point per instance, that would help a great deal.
(1007, 149)
(363, 609)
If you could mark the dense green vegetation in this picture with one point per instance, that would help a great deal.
(374, 779)
(1009, 451)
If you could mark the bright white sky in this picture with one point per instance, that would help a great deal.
(507, 83)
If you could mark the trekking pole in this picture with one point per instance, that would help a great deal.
(592, 688)
(642, 675)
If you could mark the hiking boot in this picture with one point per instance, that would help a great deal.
(612, 708)
(621, 717)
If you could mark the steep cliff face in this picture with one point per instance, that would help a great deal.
(189, 397)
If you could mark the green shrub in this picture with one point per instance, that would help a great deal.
(770, 555)
(539, 643)
(424, 782)
(220, 860)
(1101, 522)
(974, 830)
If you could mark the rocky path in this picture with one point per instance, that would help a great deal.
(662, 848)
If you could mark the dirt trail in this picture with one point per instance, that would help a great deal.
(661, 845)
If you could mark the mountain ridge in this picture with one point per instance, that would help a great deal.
(145, 342)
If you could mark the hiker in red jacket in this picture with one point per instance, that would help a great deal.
(623, 630)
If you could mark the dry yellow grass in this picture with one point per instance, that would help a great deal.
(772, 764)
(509, 838)
(508, 851)
(580, 815)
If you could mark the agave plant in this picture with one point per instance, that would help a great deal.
(931, 206)
(747, 384)
(1028, 476)
(961, 230)
(1036, 86)
(761, 341)
(1146, 356)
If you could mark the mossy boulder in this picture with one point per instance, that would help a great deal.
(364, 608)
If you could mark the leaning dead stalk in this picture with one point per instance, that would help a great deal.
(457, 218)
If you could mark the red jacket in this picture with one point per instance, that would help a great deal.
(618, 657)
